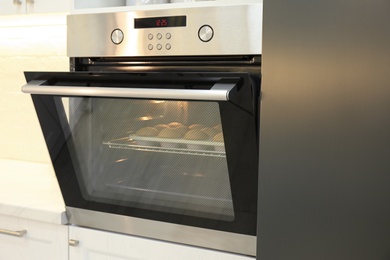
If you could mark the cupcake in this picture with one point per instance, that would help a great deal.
(218, 127)
(160, 127)
(175, 125)
(146, 132)
(196, 127)
(218, 138)
(210, 131)
(171, 133)
(196, 135)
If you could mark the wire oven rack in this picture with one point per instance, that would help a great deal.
(165, 145)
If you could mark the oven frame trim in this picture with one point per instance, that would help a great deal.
(210, 238)
(194, 236)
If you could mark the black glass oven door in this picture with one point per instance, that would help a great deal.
(171, 147)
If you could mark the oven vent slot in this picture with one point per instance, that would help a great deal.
(162, 63)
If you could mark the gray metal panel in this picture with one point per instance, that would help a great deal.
(324, 185)
(237, 30)
(225, 241)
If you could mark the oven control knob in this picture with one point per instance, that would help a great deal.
(206, 33)
(117, 36)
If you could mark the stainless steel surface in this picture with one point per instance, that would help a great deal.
(231, 242)
(20, 233)
(325, 131)
(206, 33)
(220, 91)
(237, 31)
(73, 242)
(117, 36)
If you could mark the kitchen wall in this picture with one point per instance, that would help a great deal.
(27, 43)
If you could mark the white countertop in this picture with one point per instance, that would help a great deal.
(30, 190)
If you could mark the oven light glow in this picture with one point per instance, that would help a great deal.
(121, 160)
(157, 101)
(145, 118)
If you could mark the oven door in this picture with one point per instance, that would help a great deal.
(171, 156)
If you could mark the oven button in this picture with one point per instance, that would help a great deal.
(205, 33)
(168, 46)
(117, 36)
(159, 46)
(150, 47)
(159, 36)
(150, 36)
(168, 36)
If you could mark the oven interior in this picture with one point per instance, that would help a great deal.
(152, 154)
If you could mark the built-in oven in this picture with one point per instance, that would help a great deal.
(154, 131)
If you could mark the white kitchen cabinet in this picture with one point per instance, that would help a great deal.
(12, 7)
(46, 6)
(22, 239)
(81, 4)
(34, 6)
(89, 244)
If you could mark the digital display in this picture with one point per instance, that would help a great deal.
(157, 22)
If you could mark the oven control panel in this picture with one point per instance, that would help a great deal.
(159, 41)
(234, 29)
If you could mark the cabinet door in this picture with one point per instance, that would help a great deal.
(80, 4)
(22, 239)
(46, 6)
(100, 245)
(12, 7)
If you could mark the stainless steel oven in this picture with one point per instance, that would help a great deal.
(154, 131)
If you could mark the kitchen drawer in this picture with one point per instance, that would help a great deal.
(28, 239)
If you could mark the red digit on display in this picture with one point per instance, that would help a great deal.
(158, 22)
(164, 22)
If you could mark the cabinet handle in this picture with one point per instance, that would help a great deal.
(20, 233)
(17, 2)
(73, 242)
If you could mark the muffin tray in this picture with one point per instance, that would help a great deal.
(165, 145)
(175, 141)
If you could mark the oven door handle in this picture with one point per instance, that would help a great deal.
(221, 91)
